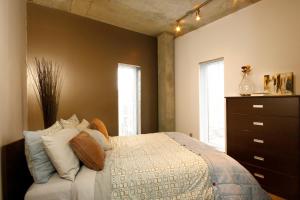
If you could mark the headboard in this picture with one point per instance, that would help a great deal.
(16, 178)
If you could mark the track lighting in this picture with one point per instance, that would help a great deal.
(191, 12)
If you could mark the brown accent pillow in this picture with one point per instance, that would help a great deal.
(98, 125)
(88, 151)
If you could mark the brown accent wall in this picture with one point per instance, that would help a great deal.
(89, 52)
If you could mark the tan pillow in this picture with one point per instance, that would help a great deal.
(60, 153)
(97, 124)
(88, 151)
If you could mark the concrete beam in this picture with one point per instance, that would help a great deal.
(166, 82)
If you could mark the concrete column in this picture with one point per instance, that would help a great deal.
(166, 82)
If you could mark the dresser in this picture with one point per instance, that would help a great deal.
(263, 134)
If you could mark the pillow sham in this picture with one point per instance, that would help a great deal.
(52, 129)
(84, 124)
(72, 122)
(99, 137)
(97, 124)
(39, 164)
(88, 151)
(60, 153)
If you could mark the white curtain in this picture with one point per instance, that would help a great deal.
(129, 100)
(212, 108)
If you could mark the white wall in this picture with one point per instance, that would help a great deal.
(265, 35)
(12, 71)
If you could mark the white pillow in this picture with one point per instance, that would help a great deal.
(83, 125)
(72, 122)
(100, 138)
(51, 130)
(60, 153)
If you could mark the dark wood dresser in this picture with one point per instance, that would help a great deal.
(263, 134)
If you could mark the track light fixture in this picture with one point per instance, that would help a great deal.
(195, 11)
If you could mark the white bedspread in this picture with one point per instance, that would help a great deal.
(154, 166)
(62, 189)
(149, 166)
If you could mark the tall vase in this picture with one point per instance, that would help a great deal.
(246, 86)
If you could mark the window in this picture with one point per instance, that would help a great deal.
(212, 109)
(129, 95)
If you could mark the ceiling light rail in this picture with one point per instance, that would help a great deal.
(195, 11)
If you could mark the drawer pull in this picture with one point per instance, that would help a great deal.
(259, 175)
(259, 158)
(258, 123)
(258, 106)
(258, 141)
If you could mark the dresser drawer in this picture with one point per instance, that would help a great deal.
(264, 144)
(276, 183)
(265, 106)
(273, 133)
(282, 163)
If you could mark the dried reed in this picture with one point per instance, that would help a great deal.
(47, 79)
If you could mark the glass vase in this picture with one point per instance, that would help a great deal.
(246, 86)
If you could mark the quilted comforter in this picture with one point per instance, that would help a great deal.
(173, 166)
(229, 178)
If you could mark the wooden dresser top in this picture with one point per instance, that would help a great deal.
(266, 96)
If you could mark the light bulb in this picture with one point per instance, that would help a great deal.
(178, 28)
(198, 15)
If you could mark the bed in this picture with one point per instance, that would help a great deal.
(152, 166)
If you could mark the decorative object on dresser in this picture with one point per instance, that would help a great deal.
(263, 134)
(279, 84)
(47, 80)
(246, 87)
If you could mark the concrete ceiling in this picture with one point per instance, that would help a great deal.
(150, 17)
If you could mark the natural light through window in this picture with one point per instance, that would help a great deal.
(212, 122)
(129, 99)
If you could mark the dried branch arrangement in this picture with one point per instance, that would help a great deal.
(47, 79)
(246, 69)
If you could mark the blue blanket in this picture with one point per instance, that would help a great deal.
(231, 181)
